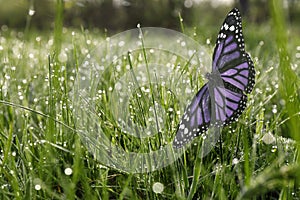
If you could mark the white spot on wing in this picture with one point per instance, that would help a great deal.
(185, 131)
(181, 126)
(226, 26)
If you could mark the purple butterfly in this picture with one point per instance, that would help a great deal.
(223, 99)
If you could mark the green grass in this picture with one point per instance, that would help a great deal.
(38, 138)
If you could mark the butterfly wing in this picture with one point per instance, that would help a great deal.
(230, 58)
(195, 119)
(225, 104)
(219, 104)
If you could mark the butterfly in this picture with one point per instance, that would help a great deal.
(223, 98)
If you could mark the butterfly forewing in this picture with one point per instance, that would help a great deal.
(230, 58)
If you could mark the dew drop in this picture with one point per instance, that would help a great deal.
(274, 149)
(268, 138)
(158, 187)
(7, 77)
(68, 171)
(50, 42)
(31, 55)
(188, 90)
(31, 12)
(62, 57)
(261, 43)
(207, 41)
(188, 3)
(235, 161)
(291, 99)
(37, 187)
(118, 86)
(121, 43)
(293, 193)
(4, 186)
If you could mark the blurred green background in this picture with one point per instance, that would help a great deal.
(118, 15)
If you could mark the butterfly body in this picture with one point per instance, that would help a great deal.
(223, 98)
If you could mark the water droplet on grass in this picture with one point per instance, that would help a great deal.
(207, 41)
(235, 161)
(7, 77)
(268, 138)
(63, 57)
(282, 102)
(261, 43)
(293, 193)
(31, 55)
(37, 187)
(158, 187)
(121, 43)
(188, 3)
(68, 171)
(274, 149)
(118, 68)
(118, 86)
(31, 12)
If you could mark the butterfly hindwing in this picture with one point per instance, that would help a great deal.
(195, 119)
(228, 105)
